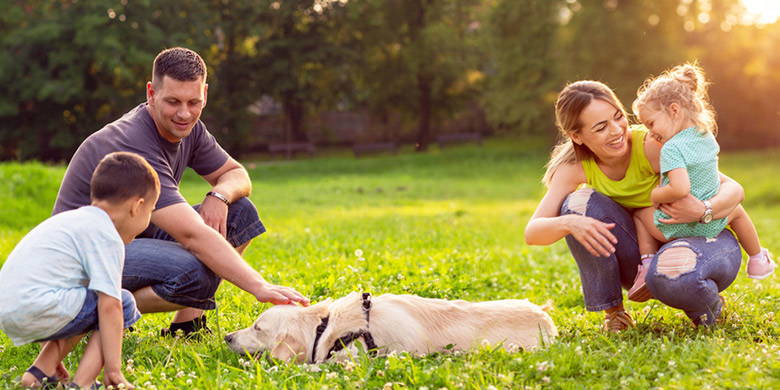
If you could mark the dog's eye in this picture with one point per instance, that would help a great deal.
(257, 327)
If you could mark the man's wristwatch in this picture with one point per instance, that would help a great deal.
(219, 196)
(707, 217)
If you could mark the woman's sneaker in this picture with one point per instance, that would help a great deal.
(761, 265)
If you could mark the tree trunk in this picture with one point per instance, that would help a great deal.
(424, 78)
(294, 111)
(424, 112)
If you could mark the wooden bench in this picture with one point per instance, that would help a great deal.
(374, 148)
(457, 138)
(290, 149)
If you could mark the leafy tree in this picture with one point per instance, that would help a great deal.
(416, 57)
(523, 67)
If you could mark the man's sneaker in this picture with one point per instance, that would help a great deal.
(639, 291)
(618, 321)
(188, 329)
(761, 265)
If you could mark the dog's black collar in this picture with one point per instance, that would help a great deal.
(343, 341)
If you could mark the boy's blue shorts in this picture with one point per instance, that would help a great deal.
(87, 319)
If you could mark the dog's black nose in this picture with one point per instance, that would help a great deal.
(229, 338)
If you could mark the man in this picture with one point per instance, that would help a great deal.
(166, 130)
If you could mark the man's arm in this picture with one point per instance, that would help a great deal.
(230, 180)
(205, 243)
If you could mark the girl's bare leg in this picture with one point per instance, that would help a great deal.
(746, 231)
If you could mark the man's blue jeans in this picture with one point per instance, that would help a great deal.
(175, 274)
(686, 273)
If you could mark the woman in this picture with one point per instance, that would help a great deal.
(620, 167)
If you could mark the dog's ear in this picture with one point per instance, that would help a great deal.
(289, 349)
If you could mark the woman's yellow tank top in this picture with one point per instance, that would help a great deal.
(633, 191)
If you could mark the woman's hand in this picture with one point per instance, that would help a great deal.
(593, 234)
(685, 210)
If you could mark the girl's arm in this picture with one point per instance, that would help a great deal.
(690, 209)
(679, 186)
(547, 226)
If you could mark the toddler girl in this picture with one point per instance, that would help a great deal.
(675, 109)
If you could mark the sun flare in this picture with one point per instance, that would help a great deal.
(762, 11)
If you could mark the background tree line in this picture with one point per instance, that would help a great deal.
(414, 68)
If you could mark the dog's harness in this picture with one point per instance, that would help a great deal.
(345, 340)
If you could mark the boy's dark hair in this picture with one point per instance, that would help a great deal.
(178, 63)
(122, 175)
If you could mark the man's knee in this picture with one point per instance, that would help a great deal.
(675, 261)
(243, 222)
(244, 209)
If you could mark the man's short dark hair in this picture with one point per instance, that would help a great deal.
(123, 175)
(178, 63)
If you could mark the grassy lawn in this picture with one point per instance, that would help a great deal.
(445, 224)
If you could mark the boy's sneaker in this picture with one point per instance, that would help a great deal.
(189, 329)
(761, 265)
(618, 321)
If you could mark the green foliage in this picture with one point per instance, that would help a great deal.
(525, 69)
(416, 66)
(444, 224)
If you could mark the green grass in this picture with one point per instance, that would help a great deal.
(446, 224)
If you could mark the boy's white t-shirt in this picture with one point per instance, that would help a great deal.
(44, 280)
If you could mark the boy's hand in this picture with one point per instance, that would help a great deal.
(115, 378)
(62, 373)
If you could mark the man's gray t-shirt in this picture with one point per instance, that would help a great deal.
(136, 132)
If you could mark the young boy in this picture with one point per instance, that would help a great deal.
(64, 277)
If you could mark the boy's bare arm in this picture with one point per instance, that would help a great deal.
(679, 187)
(111, 319)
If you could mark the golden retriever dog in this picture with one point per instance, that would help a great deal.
(392, 323)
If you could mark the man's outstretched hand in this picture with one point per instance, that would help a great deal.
(280, 295)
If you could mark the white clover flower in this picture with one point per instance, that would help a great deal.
(380, 373)
(331, 375)
(358, 252)
(313, 368)
(247, 363)
(120, 386)
(388, 386)
(491, 387)
(180, 374)
(424, 388)
(349, 365)
(543, 366)
(189, 381)
(546, 379)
